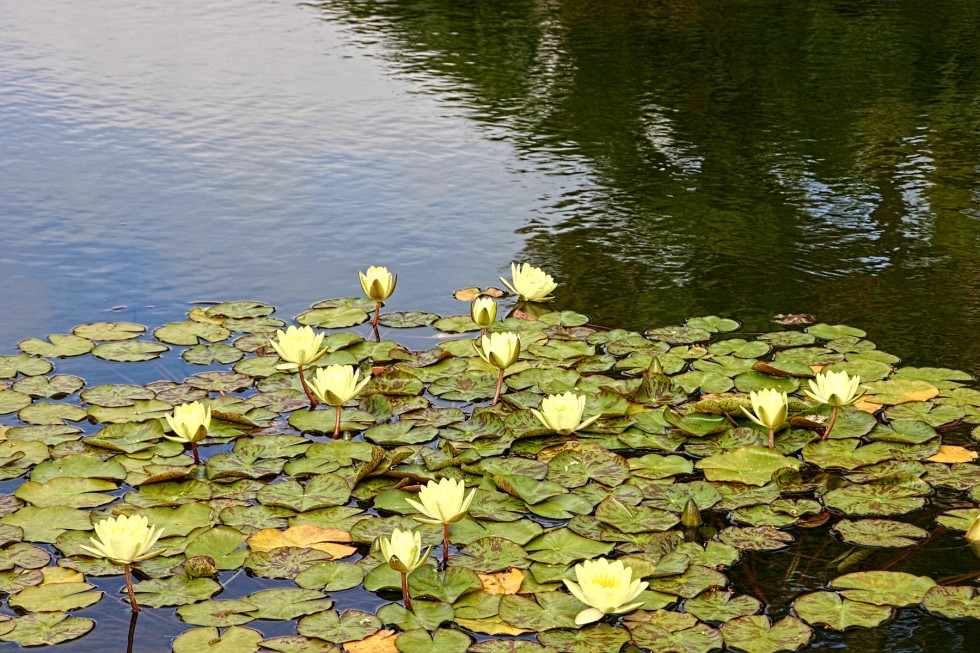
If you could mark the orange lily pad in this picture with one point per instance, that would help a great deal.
(504, 582)
(307, 536)
(382, 641)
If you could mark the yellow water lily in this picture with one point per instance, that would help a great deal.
(500, 350)
(124, 540)
(190, 423)
(835, 389)
(335, 385)
(297, 346)
(769, 410)
(403, 553)
(607, 587)
(563, 413)
(531, 284)
(444, 502)
(483, 311)
(378, 283)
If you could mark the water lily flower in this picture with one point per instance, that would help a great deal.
(607, 587)
(500, 350)
(124, 540)
(483, 311)
(403, 553)
(298, 346)
(378, 284)
(336, 385)
(835, 389)
(531, 284)
(445, 502)
(769, 408)
(563, 413)
(190, 423)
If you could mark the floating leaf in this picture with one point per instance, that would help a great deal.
(127, 351)
(953, 601)
(752, 465)
(552, 610)
(721, 606)
(756, 634)
(352, 625)
(175, 590)
(894, 588)
(60, 346)
(879, 533)
(47, 628)
(428, 615)
(207, 640)
(830, 609)
(109, 330)
(303, 536)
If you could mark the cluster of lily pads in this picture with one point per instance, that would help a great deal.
(587, 489)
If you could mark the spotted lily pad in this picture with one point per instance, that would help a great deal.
(129, 350)
(57, 597)
(175, 590)
(207, 640)
(551, 610)
(756, 634)
(830, 609)
(351, 626)
(721, 606)
(751, 465)
(879, 533)
(953, 601)
(884, 587)
(47, 628)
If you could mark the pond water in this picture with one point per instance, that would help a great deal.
(663, 159)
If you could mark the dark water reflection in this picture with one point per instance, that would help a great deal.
(662, 159)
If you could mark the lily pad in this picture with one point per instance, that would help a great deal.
(751, 465)
(879, 533)
(351, 626)
(830, 609)
(893, 588)
(47, 628)
(756, 634)
(207, 640)
(953, 601)
(59, 346)
(128, 351)
(109, 330)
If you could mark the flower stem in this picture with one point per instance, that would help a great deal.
(129, 588)
(197, 459)
(306, 388)
(772, 438)
(408, 600)
(445, 547)
(496, 394)
(377, 314)
(830, 424)
(336, 426)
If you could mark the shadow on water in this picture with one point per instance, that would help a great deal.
(737, 158)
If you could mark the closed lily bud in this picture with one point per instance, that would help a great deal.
(335, 385)
(769, 408)
(563, 413)
(403, 550)
(445, 502)
(691, 517)
(189, 422)
(378, 283)
(483, 311)
(500, 349)
(297, 346)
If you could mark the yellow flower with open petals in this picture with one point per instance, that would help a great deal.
(378, 283)
(563, 413)
(190, 422)
(835, 389)
(403, 550)
(124, 540)
(483, 311)
(297, 346)
(445, 502)
(607, 587)
(500, 349)
(337, 384)
(530, 283)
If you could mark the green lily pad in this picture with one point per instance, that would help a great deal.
(879, 533)
(574, 468)
(721, 606)
(634, 519)
(49, 413)
(550, 611)
(286, 604)
(756, 538)
(656, 466)
(677, 335)
(58, 597)
(830, 609)
(212, 354)
(318, 491)
(175, 590)
(109, 330)
(138, 411)
(12, 401)
(756, 634)
(442, 640)
(351, 626)
(597, 638)
(59, 346)
(54, 387)
(846, 454)
(284, 561)
(46, 524)
(491, 554)
(23, 555)
(221, 543)
(427, 615)
(113, 396)
(47, 628)
(129, 351)
(713, 323)
(220, 613)
(893, 588)
(235, 639)
(190, 333)
(11, 366)
(751, 465)
(696, 639)
(562, 546)
(337, 317)
(689, 584)
(67, 491)
(953, 601)
(874, 500)
(330, 576)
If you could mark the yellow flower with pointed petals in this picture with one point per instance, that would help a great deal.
(403, 550)
(445, 502)
(297, 346)
(606, 587)
(835, 389)
(769, 408)
(563, 413)
(500, 349)
(378, 283)
(483, 311)
(337, 384)
(124, 540)
(530, 283)
(190, 422)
